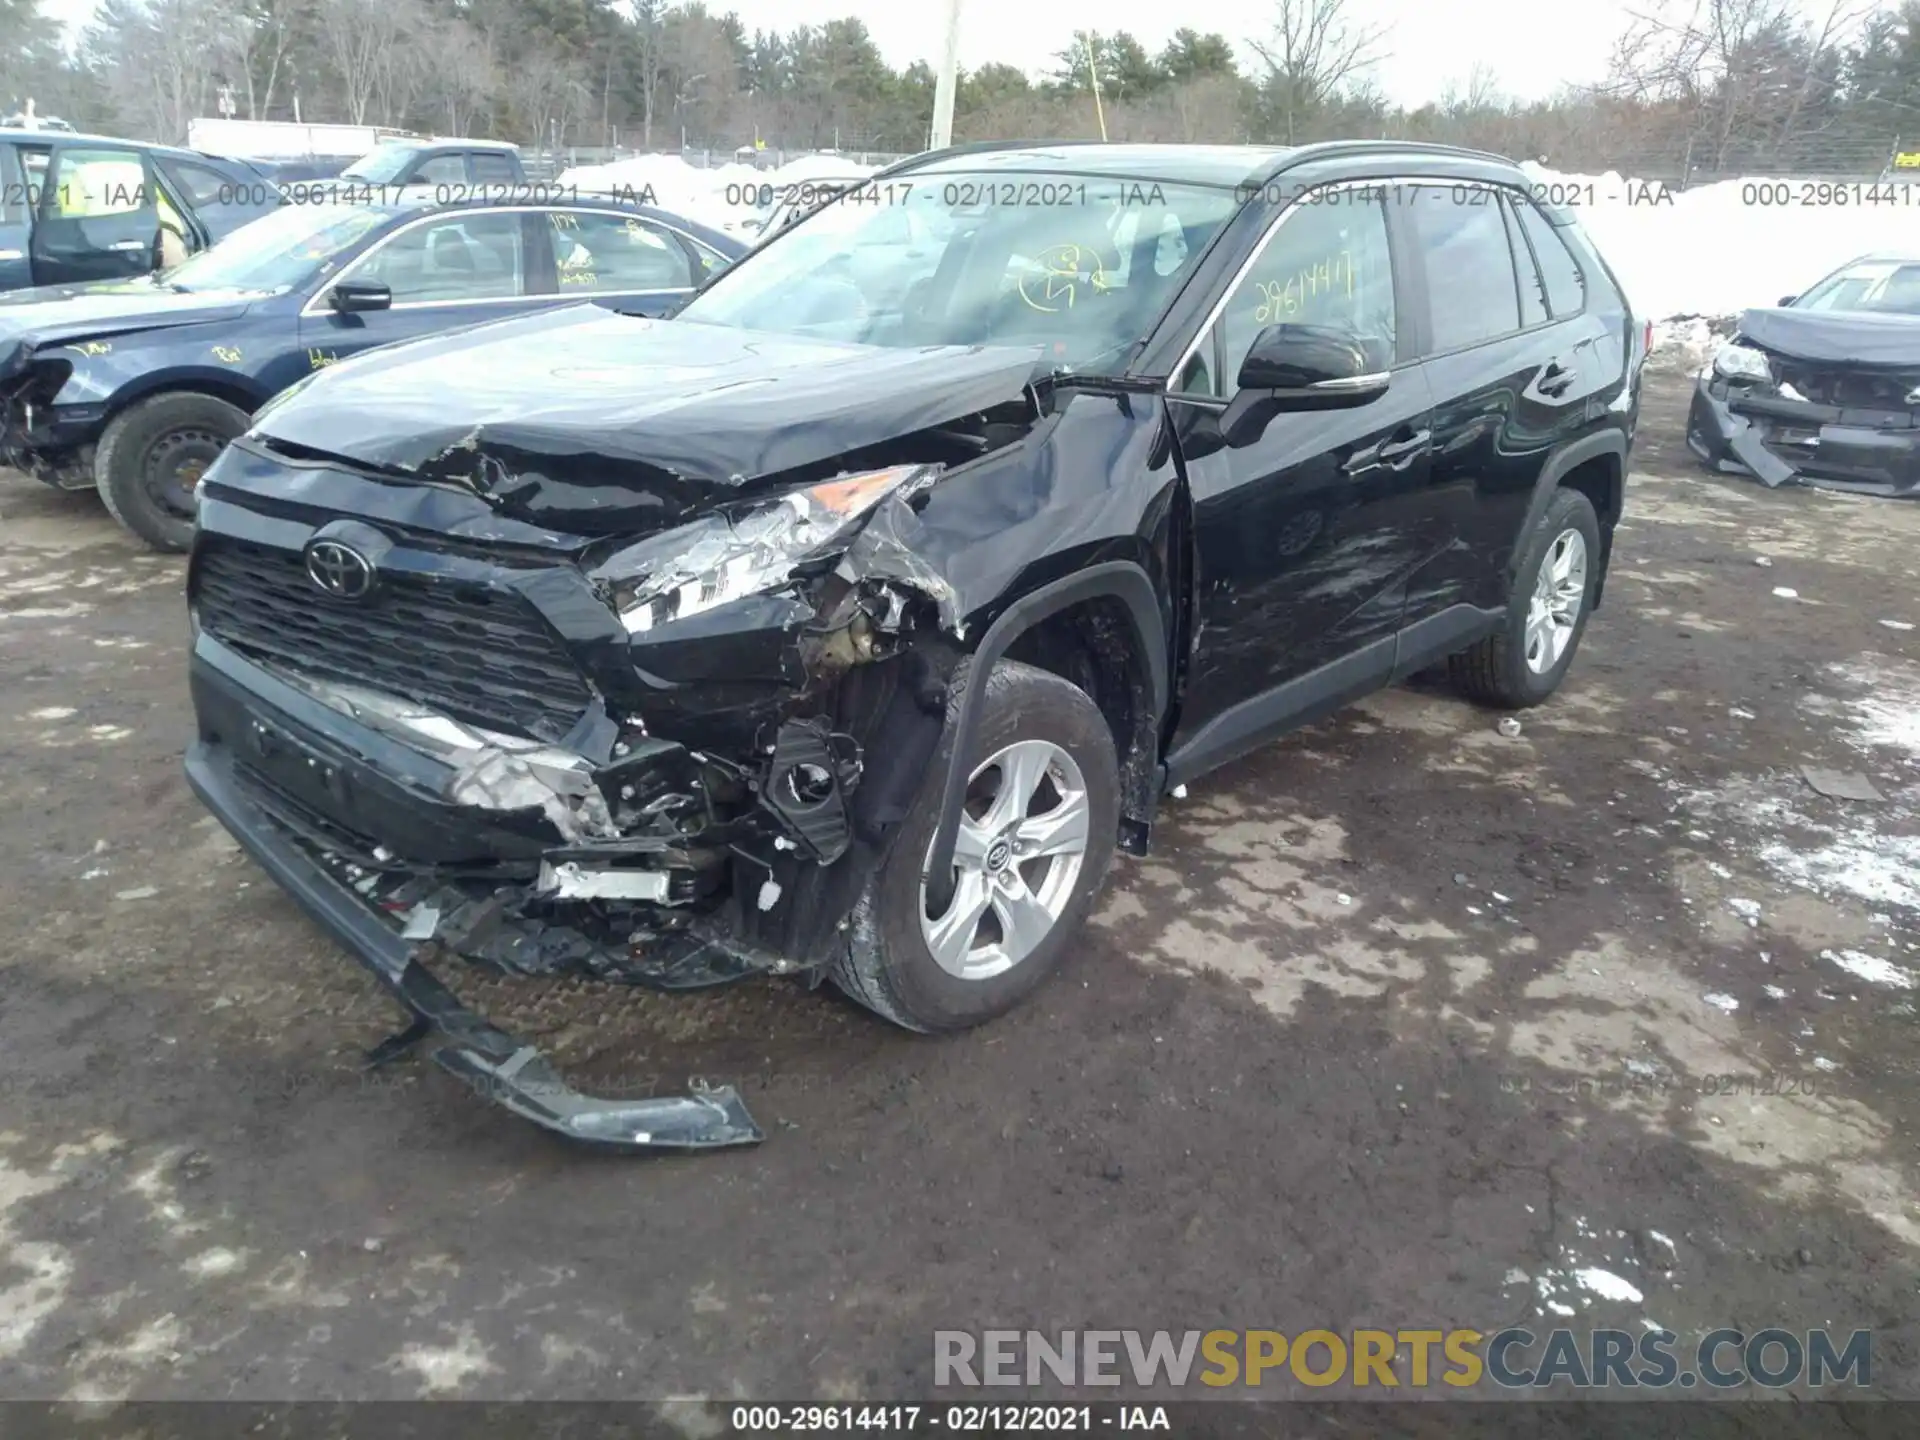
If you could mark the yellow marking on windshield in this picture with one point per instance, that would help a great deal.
(1062, 268)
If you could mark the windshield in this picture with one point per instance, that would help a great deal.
(1081, 265)
(278, 251)
(1887, 287)
(381, 165)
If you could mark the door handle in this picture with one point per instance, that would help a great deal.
(1403, 451)
(1395, 454)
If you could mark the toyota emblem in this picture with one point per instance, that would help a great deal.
(339, 570)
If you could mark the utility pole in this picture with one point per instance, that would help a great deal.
(1093, 74)
(946, 82)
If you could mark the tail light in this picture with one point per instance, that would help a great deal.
(1646, 338)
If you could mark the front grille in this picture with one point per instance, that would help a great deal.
(479, 655)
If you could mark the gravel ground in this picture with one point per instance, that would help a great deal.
(1406, 1022)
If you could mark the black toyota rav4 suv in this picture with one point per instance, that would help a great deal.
(846, 623)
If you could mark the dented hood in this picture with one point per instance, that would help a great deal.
(587, 420)
(65, 314)
(1855, 338)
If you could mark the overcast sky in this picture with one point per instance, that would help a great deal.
(1531, 48)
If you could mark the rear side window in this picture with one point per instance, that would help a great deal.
(1472, 293)
(202, 184)
(596, 251)
(491, 169)
(1566, 286)
(441, 170)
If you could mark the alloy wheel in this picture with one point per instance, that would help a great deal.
(1559, 590)
(1022, 842)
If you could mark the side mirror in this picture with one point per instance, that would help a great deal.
(352, 296)
(1786, 300)
(1300, 367)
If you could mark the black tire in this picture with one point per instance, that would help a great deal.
(1495, 671)
(888, 967)
(148, 454)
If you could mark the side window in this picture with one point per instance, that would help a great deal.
(1468, 264)
(201, 184)
(441, 170)
(86, 184)
(491, 169)
(1533, 290)
(1566, 286)
(1327, 264)
(597, 252)
(477, 255)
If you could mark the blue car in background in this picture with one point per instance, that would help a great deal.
(135, 387)
(87, 207)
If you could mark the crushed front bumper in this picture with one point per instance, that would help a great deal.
(499, 1067)
(373, 927)
(1754, 430)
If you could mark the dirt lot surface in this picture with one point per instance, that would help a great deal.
(1406, 1023)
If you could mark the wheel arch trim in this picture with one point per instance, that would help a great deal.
(1121, 580)
(1562, 462)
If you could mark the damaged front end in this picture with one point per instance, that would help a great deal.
(1830, 401)
(35, 438)
(673, 761)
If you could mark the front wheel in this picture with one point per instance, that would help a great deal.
(1524, 661)
(1036, 839)
(151, 457)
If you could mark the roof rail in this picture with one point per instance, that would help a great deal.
(1334, 149)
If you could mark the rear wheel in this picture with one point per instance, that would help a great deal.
(153, 454)
(1035, 842)
(1524, 661)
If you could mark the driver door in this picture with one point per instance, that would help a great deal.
(1305, 538)
(98, 217)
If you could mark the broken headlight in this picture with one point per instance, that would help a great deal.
(1742, 362)
(724, 558)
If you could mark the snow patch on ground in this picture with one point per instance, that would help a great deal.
(1871, 968)
(1686, 343)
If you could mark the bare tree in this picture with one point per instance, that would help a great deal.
(265, 33)
(548, 97)
(358, 37)
(1742, 72)
(1314, 50)
(463, 78)
(172, 55)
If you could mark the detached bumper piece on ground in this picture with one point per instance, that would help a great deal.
(1831, 400)
(501, 1068)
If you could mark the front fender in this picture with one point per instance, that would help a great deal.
(1120, 580)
